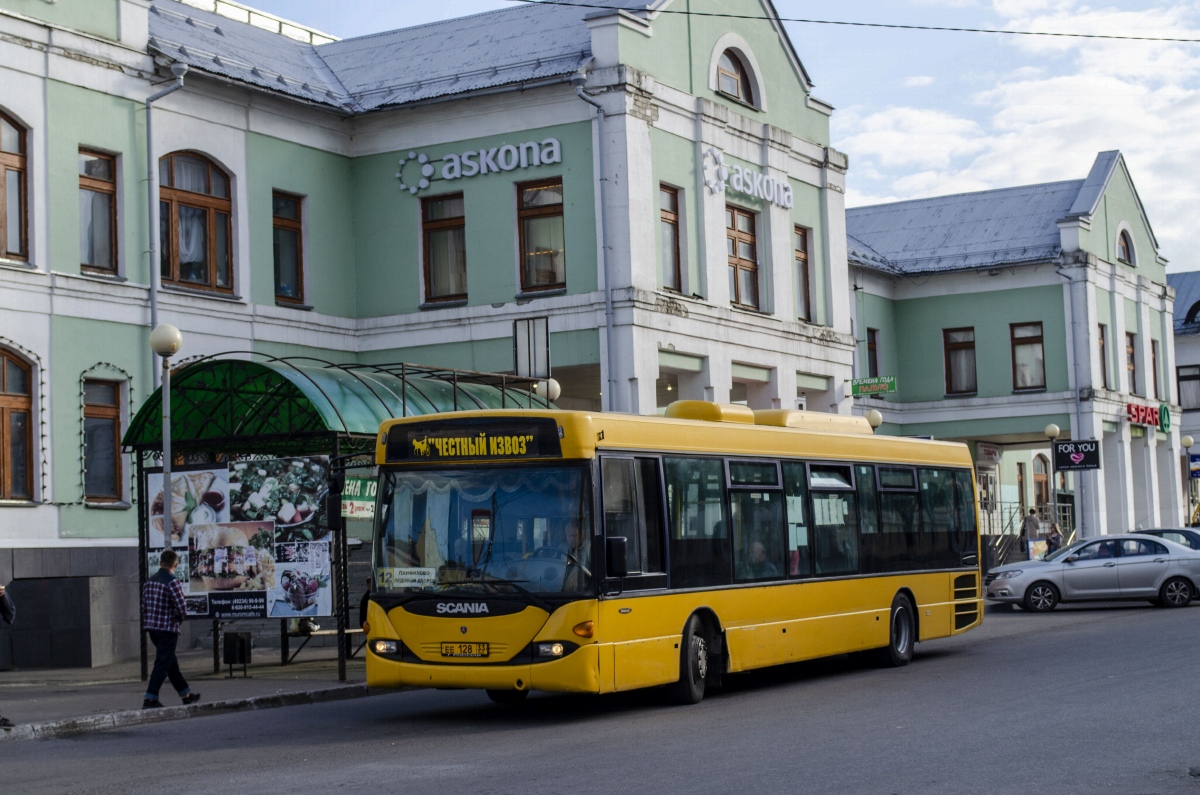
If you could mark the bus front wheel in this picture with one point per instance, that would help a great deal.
(693, 665)
(902, 634)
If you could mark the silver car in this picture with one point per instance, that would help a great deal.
(1112, 567)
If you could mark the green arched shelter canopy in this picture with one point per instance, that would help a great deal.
(293, 405)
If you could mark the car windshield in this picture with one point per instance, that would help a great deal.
(1067, 550)
(495, 529)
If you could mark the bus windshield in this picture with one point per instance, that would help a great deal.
(498, 529)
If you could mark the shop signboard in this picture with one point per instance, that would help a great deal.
(987, 453)
(1153, 416)
(880, 385)
(1077, 456)
(252, 537)
(358, 498)
(1194, 466)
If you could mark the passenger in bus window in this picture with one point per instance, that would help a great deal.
(756, 565)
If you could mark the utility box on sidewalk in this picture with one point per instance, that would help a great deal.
(237, 649)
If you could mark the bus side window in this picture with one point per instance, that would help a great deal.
(868, 517)
(937, 518)
(835, 520)
(795, 493)
(632, 509)
(756, 514)
(966, 538)
(899, 520)
(699, 540)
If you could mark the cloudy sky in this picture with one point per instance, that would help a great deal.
(925, 113)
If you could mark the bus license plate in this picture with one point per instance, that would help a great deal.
(464, 650)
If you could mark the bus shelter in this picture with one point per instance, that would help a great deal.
(254, 441)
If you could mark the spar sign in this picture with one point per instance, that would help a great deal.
(1077, 456)
(1159, 417)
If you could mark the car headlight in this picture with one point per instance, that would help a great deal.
(384, 646)
(550, 649)
(1008, 575)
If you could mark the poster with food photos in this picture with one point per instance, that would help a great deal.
(252, 537)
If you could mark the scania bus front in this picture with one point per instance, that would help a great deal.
(482, 555)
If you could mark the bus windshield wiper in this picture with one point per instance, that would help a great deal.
(535, 600)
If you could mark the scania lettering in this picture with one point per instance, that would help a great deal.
(463, 607)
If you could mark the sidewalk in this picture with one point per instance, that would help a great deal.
(58, 701)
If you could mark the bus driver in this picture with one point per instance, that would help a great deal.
(578, 551)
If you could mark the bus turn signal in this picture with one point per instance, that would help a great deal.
(583, 629)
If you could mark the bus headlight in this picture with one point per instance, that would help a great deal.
(550, 649)
(384, 646)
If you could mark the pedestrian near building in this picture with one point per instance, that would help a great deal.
(163, 609)
(1054, 539)
(8, 614)
(1030, 526)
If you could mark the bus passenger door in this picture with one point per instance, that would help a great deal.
(631, 621)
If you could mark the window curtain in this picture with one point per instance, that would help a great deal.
(1029, 367)
(193, 231)
(191, 174)
(962, 370)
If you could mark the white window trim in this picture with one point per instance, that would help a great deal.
(1133, 257)
(732, 41)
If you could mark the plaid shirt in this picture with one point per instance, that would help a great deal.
(162, 602)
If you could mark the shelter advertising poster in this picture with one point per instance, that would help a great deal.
(252, 537)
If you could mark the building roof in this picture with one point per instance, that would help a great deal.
(982, 230)
(524, 44)
(965, 231)
(1187, 301)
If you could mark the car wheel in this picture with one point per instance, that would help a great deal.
(693, 665)
(902, 634)
(1175, 592)
(508, 697)
(1041, 597)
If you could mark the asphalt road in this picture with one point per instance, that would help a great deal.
(1086, 700)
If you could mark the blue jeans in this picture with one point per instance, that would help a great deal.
(166, 666)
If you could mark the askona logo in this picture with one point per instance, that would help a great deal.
(462, 607)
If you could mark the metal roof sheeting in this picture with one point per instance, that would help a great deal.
(962, 232)
(528, 43)
(1187, 298)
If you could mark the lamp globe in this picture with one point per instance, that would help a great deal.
(166, 340)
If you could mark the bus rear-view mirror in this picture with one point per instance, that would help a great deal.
(616, 556)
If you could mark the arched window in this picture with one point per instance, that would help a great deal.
(733, 78)
(1124, 248)
(14, 227)
(16, 428)
(195, 223)
(1041, 480)
(1193, 314)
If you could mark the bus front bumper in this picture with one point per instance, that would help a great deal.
(578, 672)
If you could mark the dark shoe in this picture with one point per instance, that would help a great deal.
(191, 698)
(5, 723)
(151, 704)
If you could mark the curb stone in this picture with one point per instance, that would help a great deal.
(113, 720)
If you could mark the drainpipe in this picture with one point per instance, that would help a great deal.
(179, 70)
(1078, 405)
(577, 80)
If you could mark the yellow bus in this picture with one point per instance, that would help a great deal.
(569, 551)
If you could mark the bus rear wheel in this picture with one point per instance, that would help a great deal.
(693, 665)
(509, 697)
(902, 634)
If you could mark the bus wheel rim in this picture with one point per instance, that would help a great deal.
(900, 631)
(700, 664)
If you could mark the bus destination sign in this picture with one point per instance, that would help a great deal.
(474, 440)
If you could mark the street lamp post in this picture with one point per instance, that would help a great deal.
(1052, 431)
(166, 341)
(1187, 443)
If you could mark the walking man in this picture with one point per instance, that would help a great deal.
(1030, 528)
(164, 609)
(8, 614)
